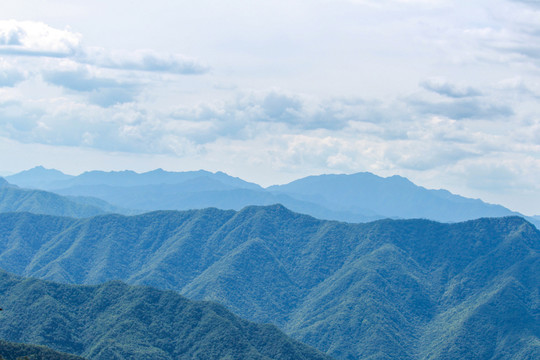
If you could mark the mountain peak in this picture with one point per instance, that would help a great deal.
(269, 210)
(157, 171)
(37, 177)
(41, 170)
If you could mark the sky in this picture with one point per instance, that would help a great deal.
(445, 93)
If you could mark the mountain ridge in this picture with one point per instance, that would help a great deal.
(359, 197)
(117, 321)
(384, 282)
(50, 179)
(13, 198)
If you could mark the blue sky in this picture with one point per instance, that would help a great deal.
(445, 93)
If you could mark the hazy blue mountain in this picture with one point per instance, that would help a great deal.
(37, 178)
(358, 197)
(115, 321)
(391, 197)
(47, 179)
(200, 193)
(390, 289)
(13, 198)
(17, 351)
(104, 206)
(394, 197)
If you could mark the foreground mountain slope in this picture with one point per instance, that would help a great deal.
(117, 321)
(16, 351)
(13, 198)
(382, 290)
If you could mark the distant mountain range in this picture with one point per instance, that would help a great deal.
(358, 197)
(50, 179)
(115, 321)
(390, 289)
(13, 198)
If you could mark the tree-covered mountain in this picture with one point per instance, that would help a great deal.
(114, 321)
(13, 198)
(17, 351)
(390, 289)
(358, 197)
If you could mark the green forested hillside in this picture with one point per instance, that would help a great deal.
(115, 321)
(13, 198)
(408, 289)
(16, 351)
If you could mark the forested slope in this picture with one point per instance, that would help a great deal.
(407, 289)
(116, 321)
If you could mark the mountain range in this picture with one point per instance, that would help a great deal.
(15, 199)
(389, 289)
(358, 197)
(115, 321)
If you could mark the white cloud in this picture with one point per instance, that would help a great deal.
(103, 91)
(29, 38)
(37, 39)
(242, 131)
(143, 60)
(413, 128)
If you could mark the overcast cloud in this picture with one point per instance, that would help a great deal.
(441, 92)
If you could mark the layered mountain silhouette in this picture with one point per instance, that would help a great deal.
(13, 198)
(115, 321)
(17, 351)
(358, 197)
(51, 179)
(390, 289)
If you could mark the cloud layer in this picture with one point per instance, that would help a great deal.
(442, 93)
